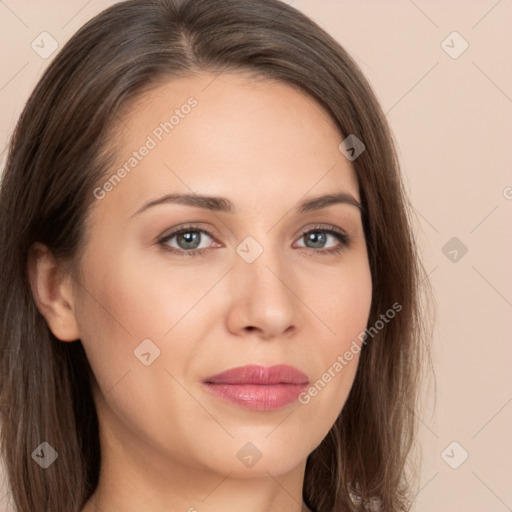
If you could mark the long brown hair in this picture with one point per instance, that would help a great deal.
(59, 153)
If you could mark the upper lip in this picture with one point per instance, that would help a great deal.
(255, 374)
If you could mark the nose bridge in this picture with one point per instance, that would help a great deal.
(262, 262)
(263, 285)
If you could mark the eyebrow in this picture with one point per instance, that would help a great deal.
(221, 204)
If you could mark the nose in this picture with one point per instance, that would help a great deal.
(263, 301)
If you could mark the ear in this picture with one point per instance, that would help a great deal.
(53, 293)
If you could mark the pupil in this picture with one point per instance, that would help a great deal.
(317, 238)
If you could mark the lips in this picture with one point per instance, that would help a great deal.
(278, 374)
(258, 387)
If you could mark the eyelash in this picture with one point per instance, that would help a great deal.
(342, 237)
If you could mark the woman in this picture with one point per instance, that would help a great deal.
(210, 288)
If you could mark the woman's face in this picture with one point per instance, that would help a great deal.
(159, 314)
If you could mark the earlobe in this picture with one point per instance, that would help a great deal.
(52, 292)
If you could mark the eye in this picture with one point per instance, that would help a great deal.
(193, 240)
(187, 241)
(318, 236)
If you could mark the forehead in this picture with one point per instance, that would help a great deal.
(256, 141)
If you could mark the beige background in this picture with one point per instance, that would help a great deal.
(452, 119)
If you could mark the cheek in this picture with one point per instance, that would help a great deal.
(118, 309)
(126, 297)
(341, 301)
(125, 301)
(344, 306)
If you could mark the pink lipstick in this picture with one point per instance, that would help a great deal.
(259, 387)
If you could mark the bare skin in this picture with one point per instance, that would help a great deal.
(167, 443)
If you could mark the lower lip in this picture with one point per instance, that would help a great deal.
(262, 397)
